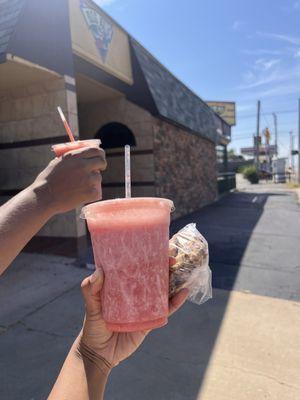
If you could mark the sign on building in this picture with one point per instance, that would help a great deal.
(101, 28)
(226, 110)
(99, 40)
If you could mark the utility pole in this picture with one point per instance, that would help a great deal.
(299, 140)
(276, 134)
(257, 135)
(291, 153)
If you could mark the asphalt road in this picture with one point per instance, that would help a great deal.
(254, 238)
(242, 344)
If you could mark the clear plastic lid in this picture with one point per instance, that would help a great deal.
(116, 205)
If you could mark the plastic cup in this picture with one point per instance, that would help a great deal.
(63, 148)
(130, 239)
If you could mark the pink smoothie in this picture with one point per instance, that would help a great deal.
(63, 148)
(130, 240)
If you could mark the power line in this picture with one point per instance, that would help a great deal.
(248, 138)
(269, 113)
(284, 145)
(243, 138)
(270, 124)
(275, 120)
(265, 118)
(241, 135)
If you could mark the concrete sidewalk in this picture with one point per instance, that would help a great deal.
(243, 344)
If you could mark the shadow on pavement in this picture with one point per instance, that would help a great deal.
(172, 362)
(252, 248)
(227, 225)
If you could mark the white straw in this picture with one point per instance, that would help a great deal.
(66, 125)
(62, 116)
(127, 172)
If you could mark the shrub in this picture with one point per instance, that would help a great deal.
(250, 172)
(240, 169)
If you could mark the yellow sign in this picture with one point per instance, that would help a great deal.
(226, 110)
(96, 38)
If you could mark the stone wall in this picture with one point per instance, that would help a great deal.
(185, 168)
(94, 116)
(26, 114)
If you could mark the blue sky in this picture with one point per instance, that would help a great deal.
(237, 50)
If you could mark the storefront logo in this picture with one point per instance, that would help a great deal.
(101, 28)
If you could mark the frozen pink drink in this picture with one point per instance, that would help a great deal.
(63, 148)
(130, 240)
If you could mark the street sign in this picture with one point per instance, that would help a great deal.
(257, 139)
(263, 150)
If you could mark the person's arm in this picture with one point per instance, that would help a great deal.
(83, 375)
(66, 183)
(97, 350)
(20, 219)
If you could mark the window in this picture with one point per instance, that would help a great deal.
(220, 154)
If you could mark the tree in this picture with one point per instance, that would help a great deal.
(232, 156)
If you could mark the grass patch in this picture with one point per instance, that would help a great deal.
(293, 185)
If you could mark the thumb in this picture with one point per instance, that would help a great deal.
(178, 300)
(91, 290)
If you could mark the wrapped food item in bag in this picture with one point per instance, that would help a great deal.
(191, 271)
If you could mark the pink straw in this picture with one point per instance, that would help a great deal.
(66, 125)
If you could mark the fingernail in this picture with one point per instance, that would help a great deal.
(95, 276)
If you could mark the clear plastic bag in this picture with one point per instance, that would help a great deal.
(191, 271)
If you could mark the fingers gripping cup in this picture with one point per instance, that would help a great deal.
(130, 239)
(63, 148)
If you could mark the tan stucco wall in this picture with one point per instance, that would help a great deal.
(30, 113)
(94, 116)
